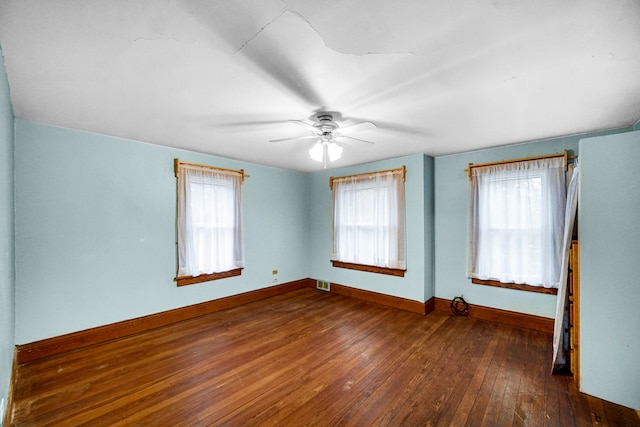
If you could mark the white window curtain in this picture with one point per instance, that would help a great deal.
(369, 220)
(209, 221)
(561, 319)
(517, 222)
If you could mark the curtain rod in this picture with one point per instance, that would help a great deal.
(403, 170)
(564, 154)
(178, 162)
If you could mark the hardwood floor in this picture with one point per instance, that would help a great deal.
(311, 358)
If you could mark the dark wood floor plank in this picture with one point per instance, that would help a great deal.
(142, 373)
(577, 402)
(323, 348)
(311, 358)
(429, 401)
(225, 382)
(159, 342)
(483, 398)
(382, 369)
(552, 397)
(374, 367)
(298, 390)
(596, 408)
(471, 389)
(514, 371)
(495, 389)
(498, 391)
(420, 359)
(530, 403)
(618, 415)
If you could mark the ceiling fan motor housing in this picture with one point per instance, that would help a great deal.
(325, 123)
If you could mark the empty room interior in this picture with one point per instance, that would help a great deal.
(295, 212)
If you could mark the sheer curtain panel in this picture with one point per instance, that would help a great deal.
(209, 221)
(559, 353)
(369, 220)
(517, 222)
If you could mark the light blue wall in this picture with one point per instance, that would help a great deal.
(95, 233)
(95, 230)
(7, 274)
(451, 224)
(415, 285)
(609, 227)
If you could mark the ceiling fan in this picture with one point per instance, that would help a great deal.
(326, 132)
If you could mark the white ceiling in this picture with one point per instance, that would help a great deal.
(223, 77)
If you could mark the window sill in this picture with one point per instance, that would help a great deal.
(369, 268)
(189, 280)
(528, 288)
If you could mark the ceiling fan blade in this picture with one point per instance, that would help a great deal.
(393, 127)
(305, 124)
(237, 121)
(295, 138)
(339, 135)
(359, 124)
(249, 123)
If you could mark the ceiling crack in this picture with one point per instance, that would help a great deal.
(306, 21)
(409, 52)
(261, 30)
(299, 15)
(155, 39)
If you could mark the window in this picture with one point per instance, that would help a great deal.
(369, 222)
(517, 222)
(209, 223)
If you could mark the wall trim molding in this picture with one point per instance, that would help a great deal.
(63, 343)
(521, 320)
(60, 344)
(12, 386)
(384, 299)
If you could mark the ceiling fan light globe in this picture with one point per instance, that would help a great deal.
(316, 152)
(334, 151)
